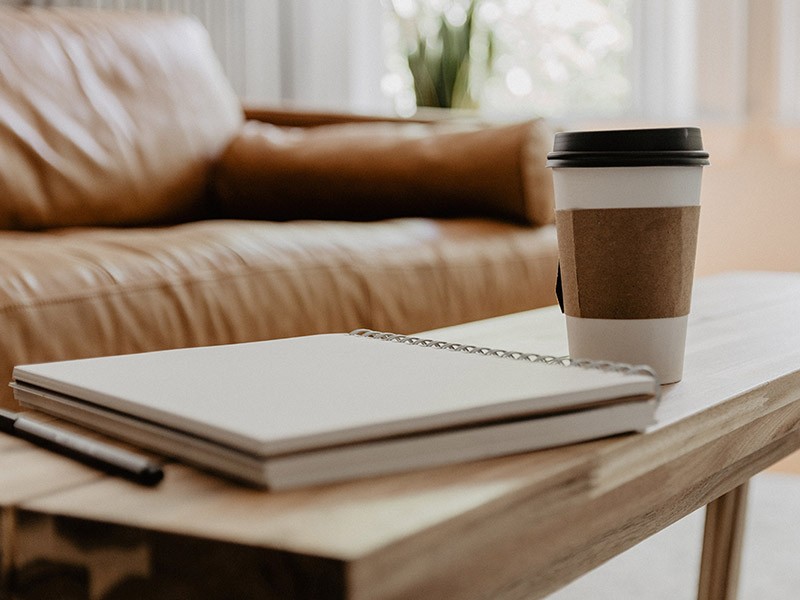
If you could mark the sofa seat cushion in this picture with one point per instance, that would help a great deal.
(95, 291)
(107, 118)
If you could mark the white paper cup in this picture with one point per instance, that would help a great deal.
(627, 204)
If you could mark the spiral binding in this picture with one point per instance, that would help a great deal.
(564, 361)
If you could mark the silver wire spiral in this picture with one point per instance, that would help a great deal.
(564, 361)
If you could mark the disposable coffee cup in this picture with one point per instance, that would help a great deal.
(627, 210)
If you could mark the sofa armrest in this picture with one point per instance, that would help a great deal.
(291, 117)
(285, 117)
(377, 169)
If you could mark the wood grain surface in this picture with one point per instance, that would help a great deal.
(516, 527)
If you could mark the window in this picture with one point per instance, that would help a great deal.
(585, 58)
(543, 56)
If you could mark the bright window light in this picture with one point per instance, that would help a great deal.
(606, 59)
(548, 57)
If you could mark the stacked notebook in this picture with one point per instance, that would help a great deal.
(323, 408)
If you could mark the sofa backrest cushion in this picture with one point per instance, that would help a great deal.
(378, 170)
(107, 118)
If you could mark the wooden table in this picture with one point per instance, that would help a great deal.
(517, 527)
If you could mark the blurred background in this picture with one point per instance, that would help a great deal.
(728, 66)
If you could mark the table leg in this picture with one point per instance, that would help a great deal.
(722, 546)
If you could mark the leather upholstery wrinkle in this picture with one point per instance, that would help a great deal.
(107, 119)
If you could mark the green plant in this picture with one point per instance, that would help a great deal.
(442, 65)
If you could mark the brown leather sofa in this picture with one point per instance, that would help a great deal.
(142, 208)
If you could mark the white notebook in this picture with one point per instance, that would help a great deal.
(323, 408)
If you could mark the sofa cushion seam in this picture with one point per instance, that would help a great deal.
(360, 270)
(121, 288)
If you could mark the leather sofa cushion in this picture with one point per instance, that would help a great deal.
(365, 171)
(107, 117)
(82, 292)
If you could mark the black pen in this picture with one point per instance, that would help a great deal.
(105, 457)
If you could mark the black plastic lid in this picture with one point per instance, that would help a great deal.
(671, 146)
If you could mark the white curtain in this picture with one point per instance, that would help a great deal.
(332, 53)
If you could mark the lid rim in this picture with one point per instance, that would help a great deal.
(561, 164)
(667, 146)
(665, 139)
(626, 152)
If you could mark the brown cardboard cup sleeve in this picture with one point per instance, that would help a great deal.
(379, 170)
(627, 263)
